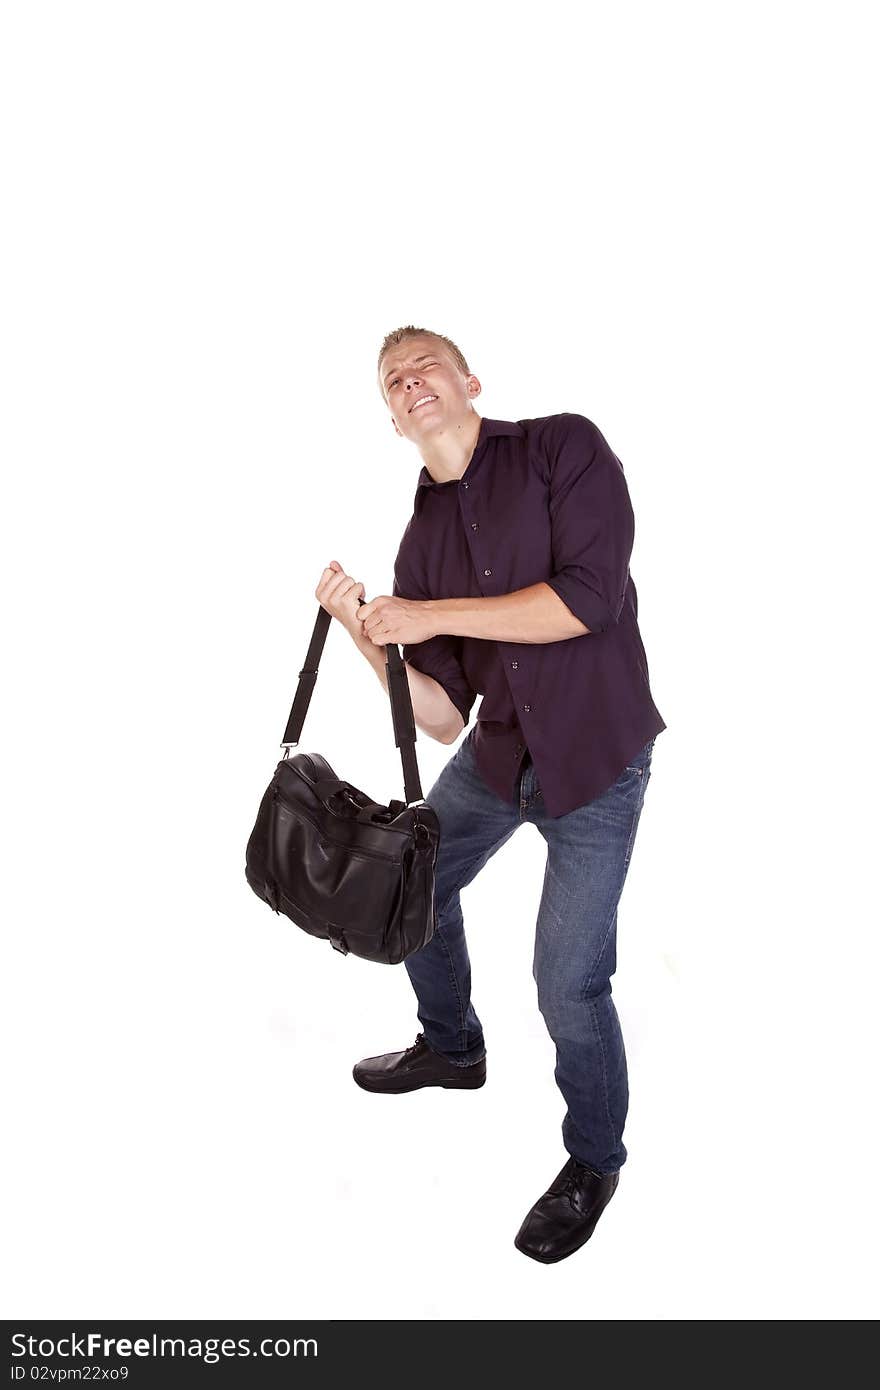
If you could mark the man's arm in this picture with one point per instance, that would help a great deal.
(591, 530)
(535, 614)
(434, 669)
(433, 711)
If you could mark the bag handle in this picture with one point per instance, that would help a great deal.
(402, 719)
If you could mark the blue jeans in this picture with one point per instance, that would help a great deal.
(588, 855)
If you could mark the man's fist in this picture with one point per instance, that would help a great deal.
(339, 594)
(387, 619)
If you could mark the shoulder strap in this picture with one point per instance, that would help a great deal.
(402, 719)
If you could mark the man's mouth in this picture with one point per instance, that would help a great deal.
(423, 400)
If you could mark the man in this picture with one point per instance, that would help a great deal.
(512, 580)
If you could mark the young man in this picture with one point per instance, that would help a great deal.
(512, 580)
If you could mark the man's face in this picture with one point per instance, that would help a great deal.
(419, 368)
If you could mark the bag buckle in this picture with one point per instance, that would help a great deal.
(336, 937)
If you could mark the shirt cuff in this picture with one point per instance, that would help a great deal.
(583, 602)
(447, 673)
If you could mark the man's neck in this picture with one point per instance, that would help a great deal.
(448, 454)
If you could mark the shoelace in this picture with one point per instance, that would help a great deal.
(569, 1182)
(573, 1178)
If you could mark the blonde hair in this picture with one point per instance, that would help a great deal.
(409, 330)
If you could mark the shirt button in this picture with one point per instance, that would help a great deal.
(487, 572)
(515, 665)
(464, 484)
(527, 709)
(474, 526)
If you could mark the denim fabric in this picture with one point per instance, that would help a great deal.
(588, 855)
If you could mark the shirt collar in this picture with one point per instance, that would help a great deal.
(488, 429)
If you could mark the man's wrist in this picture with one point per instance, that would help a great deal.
(430, 609)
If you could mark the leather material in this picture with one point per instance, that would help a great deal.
(417, 1066)
(564, 1218)
(341, 866)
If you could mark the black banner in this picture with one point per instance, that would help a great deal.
(141, 1352)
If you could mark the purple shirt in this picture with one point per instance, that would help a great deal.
(542, 499)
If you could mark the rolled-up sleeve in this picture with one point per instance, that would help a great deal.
(591, 522)
(438, 657)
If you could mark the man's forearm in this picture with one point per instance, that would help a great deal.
(433, 711)
(534, 614)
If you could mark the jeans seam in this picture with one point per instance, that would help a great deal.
(438, 931)
(598, 1031)
(585, 987)
(452, 975)
(643, 786)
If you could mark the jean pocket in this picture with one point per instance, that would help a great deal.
(642, 761)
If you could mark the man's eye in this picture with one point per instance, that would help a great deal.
(395, 380)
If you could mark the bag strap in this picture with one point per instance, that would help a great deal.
(402, 719)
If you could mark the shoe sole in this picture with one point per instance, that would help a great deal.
(419, 1086)
(554, 1259)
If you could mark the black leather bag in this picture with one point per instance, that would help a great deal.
(338, 864)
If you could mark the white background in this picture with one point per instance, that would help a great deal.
(659, 216)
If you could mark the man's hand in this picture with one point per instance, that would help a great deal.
(338, 593)
(386, 619)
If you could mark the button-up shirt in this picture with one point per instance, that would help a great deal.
(540, 500)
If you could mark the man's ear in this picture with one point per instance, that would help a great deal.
(473, 386)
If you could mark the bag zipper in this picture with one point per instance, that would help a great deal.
(361, 852)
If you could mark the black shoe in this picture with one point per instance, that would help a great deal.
(565, 1217)
(418, 1066)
